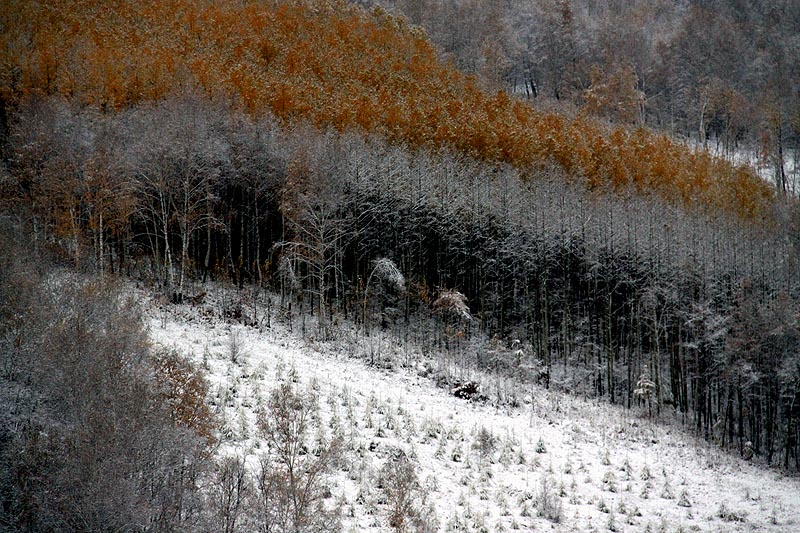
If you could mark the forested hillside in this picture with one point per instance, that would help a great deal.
(722, 73)
(337, 66)
(328, 156)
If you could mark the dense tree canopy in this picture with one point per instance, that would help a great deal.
(336, 65)
(722, 73)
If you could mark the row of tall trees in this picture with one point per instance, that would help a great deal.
(335, 65)
(597, 289)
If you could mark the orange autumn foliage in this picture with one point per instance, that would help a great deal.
(336, 65)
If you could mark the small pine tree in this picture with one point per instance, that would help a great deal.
(547, 502)
(540, 447)
(485, 443)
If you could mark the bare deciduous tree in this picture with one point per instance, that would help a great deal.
(230, 494)
(292, 491)
(405, 497)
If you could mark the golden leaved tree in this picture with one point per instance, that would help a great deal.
(336, 65)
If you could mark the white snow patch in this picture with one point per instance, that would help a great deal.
(610, 468)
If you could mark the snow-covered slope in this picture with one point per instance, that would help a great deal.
(609, 469)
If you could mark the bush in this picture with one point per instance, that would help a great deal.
(729, 515)
(485, 443)
(184, 390)
(405, 496)
(548, 504)
(540, 447)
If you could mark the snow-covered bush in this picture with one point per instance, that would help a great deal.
(404, 494)
(729, 515)
(548, 504)
(540, 447)
(452, 302)
(485, 443)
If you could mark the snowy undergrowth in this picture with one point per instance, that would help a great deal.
(554, 463)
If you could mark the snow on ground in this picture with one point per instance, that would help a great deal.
(763, 165)
(611, 469)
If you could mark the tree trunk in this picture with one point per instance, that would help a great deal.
(780, 171)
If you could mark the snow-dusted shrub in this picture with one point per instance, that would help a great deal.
(457, 455)
(405, 496)
(506, 453)
(611, 523)
(469, 390)
(431, 428)
(520, 458)
(456, 523)
(548, 504)
(184, 390)
(627, 468)
(610, 481)
(729, 515)
(441, 448)
(606, 460)
(244, 425)
(431, 484)
(773, 517)
(646, 390)
(621, 507)
(666, 491)
(479, 524)
(235, 346)
(501, 499)
(485, 442)
(234, 310)
(540, 447)
(452, 302)
(524, 496)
